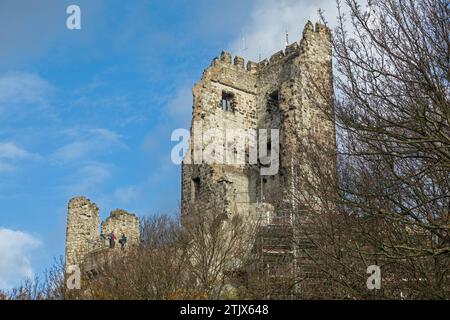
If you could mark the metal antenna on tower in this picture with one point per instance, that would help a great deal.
(244, 47)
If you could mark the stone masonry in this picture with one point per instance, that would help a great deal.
(288, 92)
(273, 94)
(121, 222)
(83, 237)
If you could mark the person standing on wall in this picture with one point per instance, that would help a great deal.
(112, 240)
(123, 241)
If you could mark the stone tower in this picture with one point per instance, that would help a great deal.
(82, 229)
(83, 239)
(121, 222)
(288, 92)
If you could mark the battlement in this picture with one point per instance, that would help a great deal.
(83, 232)
(277, 56)
(311, 32)
(226, 58)
(122, 222)
(274, 93)
(82, 201)
(322, 28)
(119, 212)
(292, 49)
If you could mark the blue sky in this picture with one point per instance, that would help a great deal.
(90, 112)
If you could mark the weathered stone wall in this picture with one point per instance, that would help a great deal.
(82, 229)
(224, 76)
(121, 222)
(288, 92)
(83, 239)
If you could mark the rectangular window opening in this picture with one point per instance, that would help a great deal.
(227, 102)
(196, 188)
(273, 101)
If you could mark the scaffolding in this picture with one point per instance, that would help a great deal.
(275, 251)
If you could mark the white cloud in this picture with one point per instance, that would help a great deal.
(126, 195)
(88, 177)
(88, 143)
(81, 156)
(25, 96)
(94, 173)
(6, 167)
(72, 151)
(23, 88)
(9, 150)
(177, 113)
(269, 21)
(10, 153)
(15, 247)
(180, 106)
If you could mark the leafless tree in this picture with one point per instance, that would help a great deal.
(219, 240)
(154, 269)
(389, 202)
(49, 286)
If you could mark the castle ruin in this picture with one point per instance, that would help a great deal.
(280, 93)
(271, 94)
(85, 238)
(288, 92)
